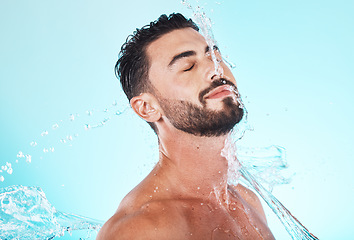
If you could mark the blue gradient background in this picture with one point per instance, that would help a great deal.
(294, 70)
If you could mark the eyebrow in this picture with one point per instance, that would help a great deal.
(188, 54)
(181, 55)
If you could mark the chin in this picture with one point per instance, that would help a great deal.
(223, 104)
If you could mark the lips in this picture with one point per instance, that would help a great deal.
(219, 92)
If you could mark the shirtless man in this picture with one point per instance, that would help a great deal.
(167, 72)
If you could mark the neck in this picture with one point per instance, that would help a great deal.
(193, 165)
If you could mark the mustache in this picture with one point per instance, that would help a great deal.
(216, 83)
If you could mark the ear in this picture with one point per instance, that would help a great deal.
(146, 106)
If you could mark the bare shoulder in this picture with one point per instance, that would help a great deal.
(247, 194)
(251, 198)
(154, 220)
(128, 227)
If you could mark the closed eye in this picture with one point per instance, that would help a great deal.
(188, 69)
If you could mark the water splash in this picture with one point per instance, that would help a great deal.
(291, 224)
(266, 164)
(205, 25)
(27, 214)
(56, 135)
(25, 211)
(257, 166)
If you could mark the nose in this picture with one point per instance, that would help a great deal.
(214, 69)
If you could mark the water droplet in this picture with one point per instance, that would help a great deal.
(2, 178)
(89, 112)
(244, 231)
(9, 171)
(232, 206)
(16, 161)
(229, 63)
(51, 149)
(72, 117)
(4, 168)
(33, 144)
(69, 137)
(20, 155)
(105, 120)
(45, 150)
(105, 110)
(45, 133)
(62, 140)
(87, 126)
(55, 126)
(184, 2)
(28, 158)
(114, 103)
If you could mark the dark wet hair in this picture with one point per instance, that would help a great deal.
(132, 66)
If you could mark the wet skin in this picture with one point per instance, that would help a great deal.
(159, 214)
(186, 196)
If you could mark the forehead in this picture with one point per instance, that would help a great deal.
(164, 48)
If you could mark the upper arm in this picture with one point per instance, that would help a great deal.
(126, 229)
(138, 227)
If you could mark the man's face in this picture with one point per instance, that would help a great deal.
(195, 97)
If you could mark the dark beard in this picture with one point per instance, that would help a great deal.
(200, 121)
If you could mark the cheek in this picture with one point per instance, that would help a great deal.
(178, 87)
(160, 81)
